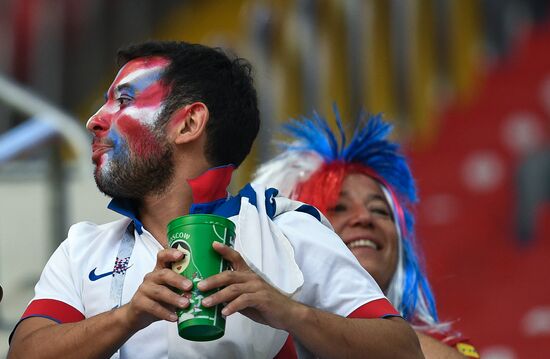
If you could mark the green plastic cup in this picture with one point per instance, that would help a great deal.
(193, 235)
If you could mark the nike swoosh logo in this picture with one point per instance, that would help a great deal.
(93, 277)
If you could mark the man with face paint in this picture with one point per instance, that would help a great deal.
(177, 120)
(369, 197)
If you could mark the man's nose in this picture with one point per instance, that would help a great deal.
(98, 124)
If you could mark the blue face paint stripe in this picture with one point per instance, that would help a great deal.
(140, 84)
(119, 149)
(127, 90)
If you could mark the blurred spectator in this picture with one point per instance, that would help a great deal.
(367, 192)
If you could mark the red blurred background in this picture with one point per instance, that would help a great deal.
(487, 245)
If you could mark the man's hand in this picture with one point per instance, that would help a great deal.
(246, 292)
(324, 334)
(156, 298)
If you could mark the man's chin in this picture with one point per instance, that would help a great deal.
(113, 192)
(107, 187)
(126, 189)
(105, 191)
(134, 179)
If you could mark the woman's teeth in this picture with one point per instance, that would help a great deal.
(363, 243)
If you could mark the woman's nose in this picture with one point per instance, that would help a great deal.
(361, 216)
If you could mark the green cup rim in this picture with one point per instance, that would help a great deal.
(200, 219)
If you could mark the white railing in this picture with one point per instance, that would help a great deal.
(38, 109)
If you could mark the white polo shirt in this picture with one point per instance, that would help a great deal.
(282, 240)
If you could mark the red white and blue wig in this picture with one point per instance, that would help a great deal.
(312, 169)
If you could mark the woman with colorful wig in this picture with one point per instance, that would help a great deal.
(367, 192)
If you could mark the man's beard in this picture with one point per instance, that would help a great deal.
(134, 177)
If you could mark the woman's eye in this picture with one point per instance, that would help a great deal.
(381, 211)
(338, 208)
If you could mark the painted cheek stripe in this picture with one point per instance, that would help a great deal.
(151, 96)
(144, 115)
(141, 140)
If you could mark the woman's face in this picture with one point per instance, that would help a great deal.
(363, 219)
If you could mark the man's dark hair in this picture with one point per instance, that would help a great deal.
(223, 83)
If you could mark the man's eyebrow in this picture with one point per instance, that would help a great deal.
(124, 86)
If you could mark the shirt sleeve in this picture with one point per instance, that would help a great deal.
(56, 293)
(334, 280)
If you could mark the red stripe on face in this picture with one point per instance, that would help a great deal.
(152, 96)
(140, 138)
(139, 64)
(177, 118)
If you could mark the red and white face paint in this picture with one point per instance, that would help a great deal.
(127, 141)
(123, 125)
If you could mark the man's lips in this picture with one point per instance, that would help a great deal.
(98, 149)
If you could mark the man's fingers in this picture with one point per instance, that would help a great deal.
(170, 278)
(231, 255)
(166, 256)
(240, 303)
(157, 310)
(225, 278)
(160, 293)
(229, 293)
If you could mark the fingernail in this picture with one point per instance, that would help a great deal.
(202, 284)
(182, 302)
(206, 301)
(224, 311)
(187, 285)
(173, 317)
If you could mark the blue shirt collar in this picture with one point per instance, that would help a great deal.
(209, 191)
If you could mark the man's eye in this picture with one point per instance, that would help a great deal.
(123, 101)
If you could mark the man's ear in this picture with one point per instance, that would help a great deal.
(189, 122)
